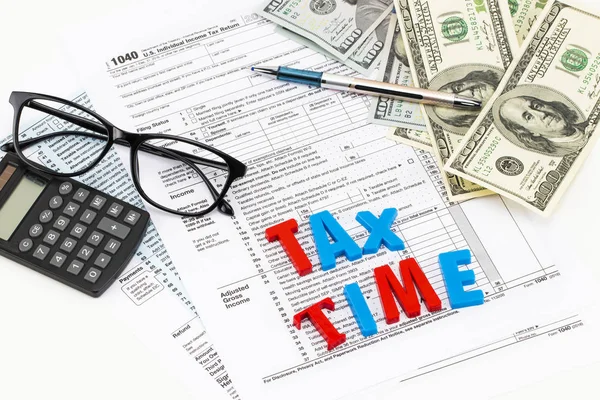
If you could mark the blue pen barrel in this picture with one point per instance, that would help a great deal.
(299, 76)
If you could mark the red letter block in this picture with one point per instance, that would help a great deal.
(320, 321)
(389, 286)
(284, 232)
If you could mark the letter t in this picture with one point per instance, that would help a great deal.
(284, 232)
(320, 321)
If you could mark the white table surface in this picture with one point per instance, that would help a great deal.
(56, 343)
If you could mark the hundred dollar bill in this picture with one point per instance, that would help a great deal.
(400, 114)
(364, 60)
(338, 26)
(460, 47)
(524, 14)
(536, 131)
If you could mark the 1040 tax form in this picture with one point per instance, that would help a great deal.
(309, 150)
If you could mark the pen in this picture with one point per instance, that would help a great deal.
(370, 87)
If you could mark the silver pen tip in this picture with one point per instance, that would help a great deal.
(266, 70)
(467, 102)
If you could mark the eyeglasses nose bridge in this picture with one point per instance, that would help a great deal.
(117, 133)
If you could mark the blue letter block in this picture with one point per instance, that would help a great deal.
(380, 231)
(322, 224)
(360, 309)
(455, 280)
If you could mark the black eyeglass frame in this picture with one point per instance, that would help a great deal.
(235, 168)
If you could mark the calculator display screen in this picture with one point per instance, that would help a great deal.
(18, 204)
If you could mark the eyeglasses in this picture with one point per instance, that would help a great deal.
(173, 173)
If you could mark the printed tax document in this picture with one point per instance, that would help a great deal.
(148, 295)
(310, 150)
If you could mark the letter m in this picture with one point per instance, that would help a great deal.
(390, 289)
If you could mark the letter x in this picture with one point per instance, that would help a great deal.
(380, 231)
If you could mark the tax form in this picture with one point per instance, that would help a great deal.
(148, 295)
(310, 150)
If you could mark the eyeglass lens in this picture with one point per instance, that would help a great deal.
(178, 184)
(66, 130)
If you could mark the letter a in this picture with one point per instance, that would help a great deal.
(323, 224)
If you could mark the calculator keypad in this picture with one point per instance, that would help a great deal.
(80, 235)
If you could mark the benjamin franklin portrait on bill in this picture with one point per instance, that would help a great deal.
(469, 80)
(538, 118)
(368, 11)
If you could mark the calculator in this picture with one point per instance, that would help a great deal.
(64, 229)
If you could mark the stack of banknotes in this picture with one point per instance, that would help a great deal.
(535, 65)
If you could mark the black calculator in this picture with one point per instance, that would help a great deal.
(64, 229)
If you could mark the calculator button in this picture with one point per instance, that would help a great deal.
(98, 202)
(61, 223)
(78, 231)
(46, 216)
(71, 209)
(102, 260)
(85, 253)
(25, 245)
(115, 210)
(132, 217)
(56, 202)
(58, 260)
(81, 195)
(88, 216)
(68, 245)
(92, 275)
(36, 230)
(41, 252)
(95, 238)
(65, 188)
(112, 246)
(114, 228)
(75, 267)
(51, 237)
